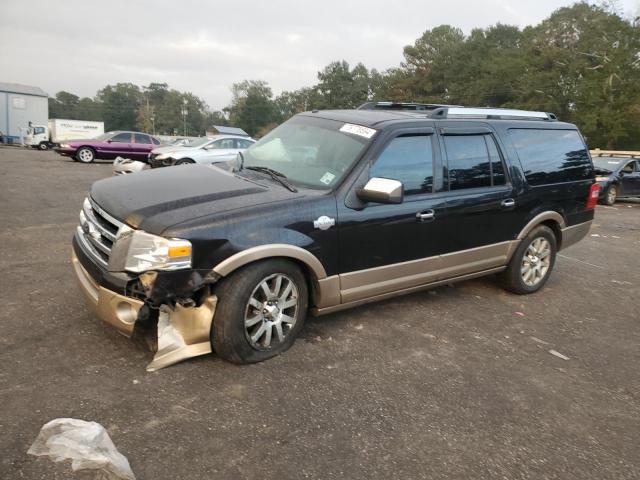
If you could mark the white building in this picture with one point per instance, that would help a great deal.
(19, 105)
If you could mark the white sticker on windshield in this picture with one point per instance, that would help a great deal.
(327, 178)
(357, 130)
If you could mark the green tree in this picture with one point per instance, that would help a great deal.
(252, 106)
(120, 105)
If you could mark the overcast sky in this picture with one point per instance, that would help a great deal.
(205, 46)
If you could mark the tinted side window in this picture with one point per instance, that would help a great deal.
(408, 159)
(122, 138)
(141, 138)
(551, 156)
(468, 161)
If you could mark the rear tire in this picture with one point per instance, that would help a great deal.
(85, 155)
(610, 195)
(532, 262)
(261, 310)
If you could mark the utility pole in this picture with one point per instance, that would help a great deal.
(184, 116)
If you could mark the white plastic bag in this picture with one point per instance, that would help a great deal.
(86, 444)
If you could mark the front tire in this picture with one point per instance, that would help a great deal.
(532, 262)
(261, 310)
(86, 155)
(184, 161)
(43, 145)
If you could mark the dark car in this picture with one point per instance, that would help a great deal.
(330, 210)
(617, 173)
(133, 145)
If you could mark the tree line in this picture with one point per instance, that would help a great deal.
(581, 63)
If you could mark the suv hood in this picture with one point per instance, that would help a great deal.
(154, 200)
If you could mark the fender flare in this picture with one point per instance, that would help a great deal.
(540, 218)
(261, 252)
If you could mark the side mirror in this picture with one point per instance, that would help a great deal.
(382, 190)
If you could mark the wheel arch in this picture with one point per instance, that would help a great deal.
(311, 267)
(551, 219)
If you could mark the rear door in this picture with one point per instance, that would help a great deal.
(142, 146)
(480, 203)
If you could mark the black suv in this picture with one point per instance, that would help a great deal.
(330, 210)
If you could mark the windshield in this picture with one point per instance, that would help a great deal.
(312, 152)
(198, 142)
(607, 164)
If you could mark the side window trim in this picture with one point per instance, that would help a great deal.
(418, 131)
(486, 133)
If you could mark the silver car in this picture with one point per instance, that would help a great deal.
(219, 148)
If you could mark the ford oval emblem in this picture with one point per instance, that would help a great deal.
(324, 222)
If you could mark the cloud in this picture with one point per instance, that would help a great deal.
(205, 46)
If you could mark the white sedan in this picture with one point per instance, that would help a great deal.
(220, 148)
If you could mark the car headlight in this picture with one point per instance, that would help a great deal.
(151, 252)
(162, 156)
(65, 145)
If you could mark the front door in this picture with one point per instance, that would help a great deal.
(117, 146)
(384, 248)
(630, 181)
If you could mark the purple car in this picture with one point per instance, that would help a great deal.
(133, 145)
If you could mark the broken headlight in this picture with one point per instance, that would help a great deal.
(151, 252)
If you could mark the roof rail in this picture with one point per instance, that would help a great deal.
(407, 106)
(491, 113)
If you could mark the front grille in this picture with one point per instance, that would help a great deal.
(97, 231)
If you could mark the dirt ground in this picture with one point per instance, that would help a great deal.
(458, 382)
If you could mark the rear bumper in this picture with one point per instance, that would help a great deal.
(573, 234)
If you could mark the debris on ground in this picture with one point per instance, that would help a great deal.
(536, 339)
(86, 444)
(520, 314)
(559, 355)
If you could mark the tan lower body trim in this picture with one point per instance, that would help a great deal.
(372, 282)
(117, 310)
(376, 298)
(574, 234)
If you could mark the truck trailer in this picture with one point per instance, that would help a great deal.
(61, 130)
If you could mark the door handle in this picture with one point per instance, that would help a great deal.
(426, 215)
(508, 203)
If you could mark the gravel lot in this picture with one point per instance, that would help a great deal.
(457, 382)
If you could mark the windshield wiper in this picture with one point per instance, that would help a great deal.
(281, 178)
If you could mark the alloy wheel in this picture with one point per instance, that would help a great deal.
(271, 312)
(536, 261)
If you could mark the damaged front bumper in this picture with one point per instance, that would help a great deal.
(183, 330)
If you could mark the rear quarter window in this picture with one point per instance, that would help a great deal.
(551, 156)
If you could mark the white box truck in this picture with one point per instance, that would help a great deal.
(61, 130)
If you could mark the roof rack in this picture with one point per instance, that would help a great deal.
(491, 113)
(406, 106)
(614, 153)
